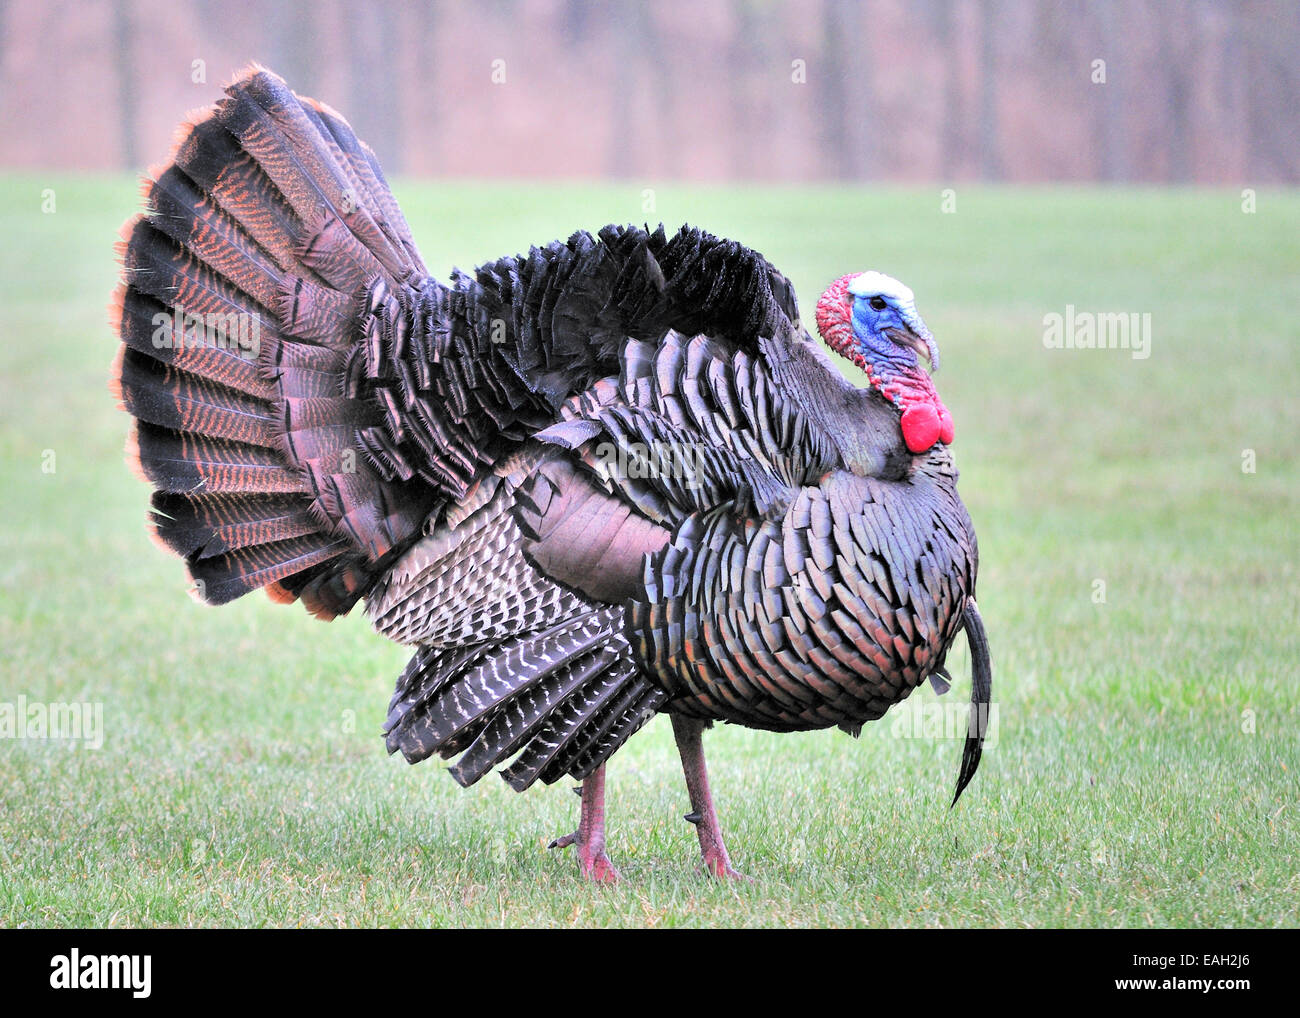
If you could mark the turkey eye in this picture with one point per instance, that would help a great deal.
(878, 303)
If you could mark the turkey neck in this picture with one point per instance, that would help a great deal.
(863, 425)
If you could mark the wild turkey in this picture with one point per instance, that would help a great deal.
(609, 478)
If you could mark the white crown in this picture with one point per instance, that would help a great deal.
(877, 284)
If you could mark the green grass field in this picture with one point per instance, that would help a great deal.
(1147, 765)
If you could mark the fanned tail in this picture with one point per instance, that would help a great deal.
(246, 285)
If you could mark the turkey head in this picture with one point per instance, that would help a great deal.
(871, 319)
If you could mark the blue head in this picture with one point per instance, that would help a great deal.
(886, 323)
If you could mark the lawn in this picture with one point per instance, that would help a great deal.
(1139, 585)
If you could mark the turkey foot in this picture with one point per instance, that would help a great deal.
(690, 744)
(590, 835)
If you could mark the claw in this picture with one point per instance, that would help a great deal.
(564, 840)
(693, 818)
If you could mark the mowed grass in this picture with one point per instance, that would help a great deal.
(1147, 764)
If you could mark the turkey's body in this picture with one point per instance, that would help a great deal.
(828, 615)
(604, 480)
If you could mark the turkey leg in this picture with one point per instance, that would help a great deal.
(590, 835)
(690, 745)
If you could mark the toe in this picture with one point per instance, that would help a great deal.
(598, 869)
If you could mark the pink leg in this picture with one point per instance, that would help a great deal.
(690, 745)
(590, 835)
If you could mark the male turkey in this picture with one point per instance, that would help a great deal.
(610, 478)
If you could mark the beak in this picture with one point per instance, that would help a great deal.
(922, 342)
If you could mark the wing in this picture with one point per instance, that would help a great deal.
(692, 425)
(513, 662)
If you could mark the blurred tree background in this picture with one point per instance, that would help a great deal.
(1201, 92)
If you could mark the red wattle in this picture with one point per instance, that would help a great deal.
(946, 429)
(920, 427)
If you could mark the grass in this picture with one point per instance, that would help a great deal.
(1147, 768)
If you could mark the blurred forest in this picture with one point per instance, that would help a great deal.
(1199, 92)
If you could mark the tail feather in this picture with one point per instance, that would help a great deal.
(368, 178)
(302, 370)
(236, 573)
(157, 265)
(245, 286)
(335, 254)
(162, 395)
(272, 126)
(179, 209)
(316, 313)
(206, 525)
(184, 463)
(212, 158)
(146, 325)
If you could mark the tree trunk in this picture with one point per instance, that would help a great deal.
(127, 95)
(845, 136)
(374, 49)
(947, 41)
(1109, 134)
(628, 31)
(989, 148)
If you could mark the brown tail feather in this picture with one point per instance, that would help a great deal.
(189, 463)
(229, 576)
(216, 239)
(145, 324)
(208, 525)
(162, 395)
(244, 286)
